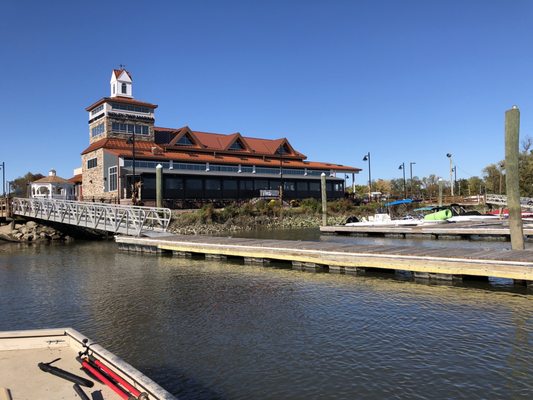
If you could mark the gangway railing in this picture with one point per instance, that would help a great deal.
(501, 200)
(127, 220)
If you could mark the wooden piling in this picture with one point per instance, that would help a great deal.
(512, 128)
(159, 185)
(324, 199)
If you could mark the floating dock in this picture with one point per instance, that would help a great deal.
(423, 262)
(458, 230)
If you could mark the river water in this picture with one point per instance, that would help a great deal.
(220, 330)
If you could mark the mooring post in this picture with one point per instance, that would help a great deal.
(324, 199)
(512, 130)
(159, 185)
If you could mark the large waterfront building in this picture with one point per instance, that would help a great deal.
(125, 143)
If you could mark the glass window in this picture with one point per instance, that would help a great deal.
(314, 186)
(237, 145)
(174, 183)
(247, 169)
(230, 184)
(148, 182)
(274, 185)
(246, 185)
(261, 184)
(124, 88)
(329, 186)
(184, 141)
(112, 178)
(92, 163)
(213, 184)
(97, 130)
(289, 186)
(301, 186)
(194, 184)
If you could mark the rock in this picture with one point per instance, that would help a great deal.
(56, 237)
(18, 226)
(31, 224)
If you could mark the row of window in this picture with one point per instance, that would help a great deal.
(131, 107)
(97, 109)
(97, 130)
(130, 128)
(176, 183)
(223, 168)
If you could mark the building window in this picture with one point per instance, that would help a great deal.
(130, 107)
(246, 185)
(97, 109)
(193, 184)
(236, 146)
(113, 88)
(130, 128)
(112, 178)
(184, 141)
(229, 184)
(213, 184)
(124, 89)
(314, 186)
(97, 130)
(92, 163)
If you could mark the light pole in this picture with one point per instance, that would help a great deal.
(455, 178)
(3, 165)
(367, 158)
(134, 189)
(402, 167)
(411, 175)
(449, 155)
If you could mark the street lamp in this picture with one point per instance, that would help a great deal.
(402, 167)
(367, 158)
(131, 140)
(3, 166)
(411, 174)
(449, 155)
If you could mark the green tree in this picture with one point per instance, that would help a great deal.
(19, 186)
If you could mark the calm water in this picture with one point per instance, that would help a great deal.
(211, 330)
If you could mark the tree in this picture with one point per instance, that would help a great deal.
(494, 179)
(19, 186)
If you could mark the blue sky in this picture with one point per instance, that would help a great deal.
(406, 80)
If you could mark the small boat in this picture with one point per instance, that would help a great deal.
(63, 364)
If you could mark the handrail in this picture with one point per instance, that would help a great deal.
(115, 218)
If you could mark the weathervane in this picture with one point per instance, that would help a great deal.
(122, 66)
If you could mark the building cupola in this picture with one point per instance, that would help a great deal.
(121, 83)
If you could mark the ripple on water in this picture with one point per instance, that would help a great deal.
(209, 330)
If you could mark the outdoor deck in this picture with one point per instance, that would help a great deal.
(457, 230)
(423, 262)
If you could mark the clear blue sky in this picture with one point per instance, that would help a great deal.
(406, 80)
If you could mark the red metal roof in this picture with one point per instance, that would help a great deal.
(118, 72)
(120, 99)
(143, 150)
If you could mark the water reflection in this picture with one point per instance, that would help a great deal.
(211, 330)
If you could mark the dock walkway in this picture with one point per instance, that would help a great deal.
(423, 262)
(461, 230)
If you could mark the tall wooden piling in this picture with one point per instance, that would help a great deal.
(512, 129)
(159, 185)
(324, 199)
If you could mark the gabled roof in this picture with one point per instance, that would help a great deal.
(118, 72)
(120, 99)
(144, 150)
(219, 142)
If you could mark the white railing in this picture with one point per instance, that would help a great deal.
(501, 200)
(128, 220)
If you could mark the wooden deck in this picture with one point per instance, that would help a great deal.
(461, 230)
(441, 263)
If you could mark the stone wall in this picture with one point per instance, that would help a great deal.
(93, 178)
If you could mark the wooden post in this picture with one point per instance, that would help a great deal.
(159, 185)
(324, 199)
(512, 129)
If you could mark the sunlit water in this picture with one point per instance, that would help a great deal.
(216, 330)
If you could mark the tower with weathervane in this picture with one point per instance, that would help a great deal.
(118, 118)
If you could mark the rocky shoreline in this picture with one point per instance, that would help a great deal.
(31, 231)
(249, 223)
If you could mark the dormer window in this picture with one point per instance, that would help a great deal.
(284, 149)
(124, 89)
(236, 146)
(184, 141)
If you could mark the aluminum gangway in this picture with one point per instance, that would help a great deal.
(114, 218)
(501, 200)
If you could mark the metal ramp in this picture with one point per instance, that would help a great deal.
(501, 200)
(114, 218)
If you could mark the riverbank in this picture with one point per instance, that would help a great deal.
(31, 231)
(262, 215)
